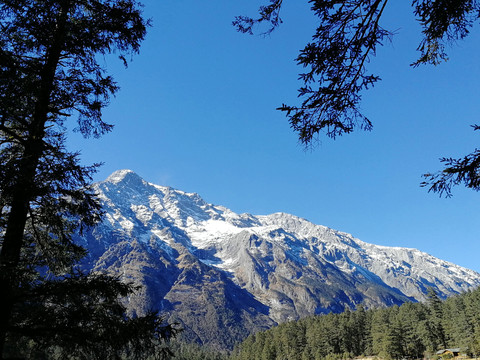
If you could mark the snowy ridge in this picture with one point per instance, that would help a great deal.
(287, 263)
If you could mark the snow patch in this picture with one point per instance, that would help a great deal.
(204, 233)
(142, 213)
(119, 175)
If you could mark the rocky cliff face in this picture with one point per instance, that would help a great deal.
(224, 275)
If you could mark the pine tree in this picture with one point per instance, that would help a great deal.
(379, 328)
(472, 304)
(48, 73)
(458, 328)
(435, 318)
(336, 75)
(268, 351)
(348, 34)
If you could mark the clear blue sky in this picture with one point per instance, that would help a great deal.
(196, 111)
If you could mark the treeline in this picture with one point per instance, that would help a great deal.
(411, 331)
(192, 351)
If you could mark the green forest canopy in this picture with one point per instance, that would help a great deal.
(411, 331)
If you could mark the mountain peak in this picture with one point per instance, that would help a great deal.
(189, 254)
(121, 175)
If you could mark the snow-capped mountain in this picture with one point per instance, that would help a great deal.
(224, 275)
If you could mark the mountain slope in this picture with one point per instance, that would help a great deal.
(224, 275)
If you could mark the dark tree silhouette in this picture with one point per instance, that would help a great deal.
(49, 71)
(348, 34)
(464, 171)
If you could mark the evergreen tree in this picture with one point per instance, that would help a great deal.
(49, 71)
(434, 323)
(410, 315)
(458, 327)
(82, 317)
(379, 327)
(394, 341)
(269, 351)
(472, 304)
(347, 36)
(359, 331)
(335, 61)
(462, 171)
(332, 335)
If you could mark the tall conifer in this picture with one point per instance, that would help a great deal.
(49, 72)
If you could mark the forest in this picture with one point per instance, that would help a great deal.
(409, 331)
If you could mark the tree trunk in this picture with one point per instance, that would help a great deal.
(24, 189)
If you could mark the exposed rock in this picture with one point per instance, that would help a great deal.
(225, 275)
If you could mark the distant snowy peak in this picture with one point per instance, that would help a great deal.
(197, 261)
(143, 210)
(121, 175)
(184, 207)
